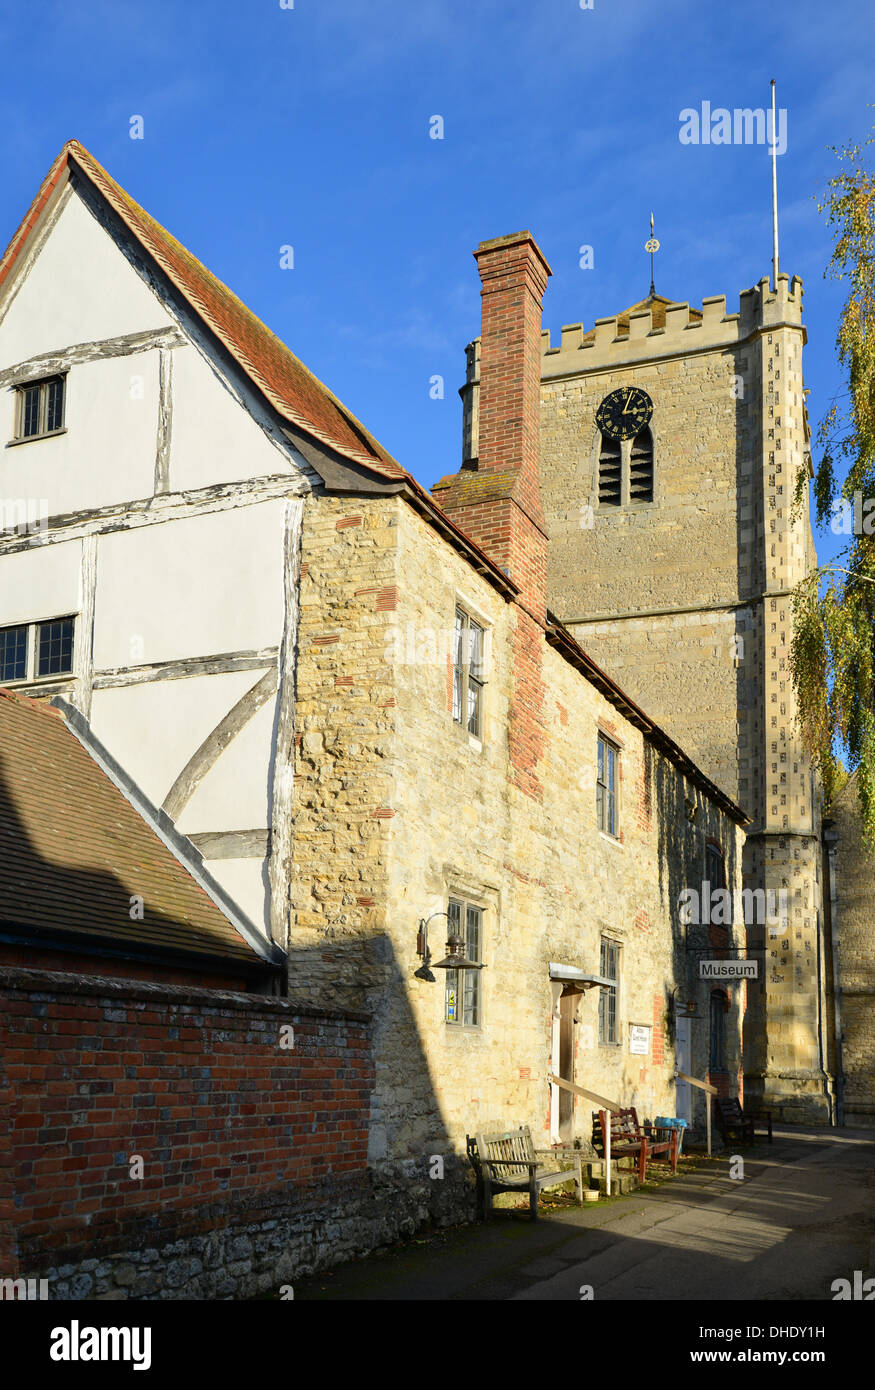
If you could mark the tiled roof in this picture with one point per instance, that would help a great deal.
(293, 390)
(297, 395)
(657, 304)
(74, 851)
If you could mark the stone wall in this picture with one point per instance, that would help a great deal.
(406, 809)
(852, 933)
(683, 600)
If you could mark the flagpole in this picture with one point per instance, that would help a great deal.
(774, 194)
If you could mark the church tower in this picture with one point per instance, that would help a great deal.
(671, 438)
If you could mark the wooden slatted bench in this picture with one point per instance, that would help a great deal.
(509, 1162)
(733, 1118)
(628, 1139)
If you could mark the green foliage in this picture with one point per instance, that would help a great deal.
(833, 651)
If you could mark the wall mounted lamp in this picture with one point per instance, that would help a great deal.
(682, 1008)
(455, 958)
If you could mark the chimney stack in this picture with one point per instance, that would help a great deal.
(497, 499)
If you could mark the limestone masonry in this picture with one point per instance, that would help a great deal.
(450, 761)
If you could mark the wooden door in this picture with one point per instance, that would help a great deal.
(566, 1066)
(682, 1105)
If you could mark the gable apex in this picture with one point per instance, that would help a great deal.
(288, 385)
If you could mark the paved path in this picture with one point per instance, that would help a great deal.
(803, 1216)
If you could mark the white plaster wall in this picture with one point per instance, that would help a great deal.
(153, 729)
(197, 586)
(107, 455)
(246, 881)
(234, 795)
(213, 440)
(80, 289)
(40, 583)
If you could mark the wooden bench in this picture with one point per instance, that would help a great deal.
(733, 1118)
(628, 1139)
(509, 1162)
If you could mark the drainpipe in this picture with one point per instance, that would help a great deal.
(830, 839)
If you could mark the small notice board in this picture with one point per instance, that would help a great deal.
(639, 1039)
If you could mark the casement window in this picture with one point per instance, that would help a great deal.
(468, 673)
(39, 408)
(463, 986)
(609, 969)
(641, 467)
(33, 651)
(609, 473)
(715, 868)
(606, 787)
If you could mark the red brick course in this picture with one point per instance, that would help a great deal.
(93, 1072)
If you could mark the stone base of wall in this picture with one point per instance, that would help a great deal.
(258, 1252)
(859, 1114)
(791, 1100)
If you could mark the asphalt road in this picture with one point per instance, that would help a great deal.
(802, 1217)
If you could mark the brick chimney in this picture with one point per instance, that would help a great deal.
(497, 498)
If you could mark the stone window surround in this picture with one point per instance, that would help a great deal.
(464, 904)
(457, 884)
(626, 505)
(617, 745)
(715, 848)
(615, 939)
(460, 730)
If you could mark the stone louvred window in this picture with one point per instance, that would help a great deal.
(609, 472)
(641, 467)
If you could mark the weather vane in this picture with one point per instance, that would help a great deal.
(651, 245)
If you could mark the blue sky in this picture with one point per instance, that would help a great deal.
(309, 127)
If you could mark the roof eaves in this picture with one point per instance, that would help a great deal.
(379, 459)
(242, 962)
(31, 217)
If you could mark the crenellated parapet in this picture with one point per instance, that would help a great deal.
(661, 329)
(653, 331)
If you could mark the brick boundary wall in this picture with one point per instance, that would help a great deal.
(254, 1154)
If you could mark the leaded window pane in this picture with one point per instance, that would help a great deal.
(468, 672)
(606, 781)
(13, 653)
(54, 404)
(30, 411)
(458, 672)
(55, 647)
(608, 968)
(715, 872)
(463, 986)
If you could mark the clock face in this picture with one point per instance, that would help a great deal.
(624, 412)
